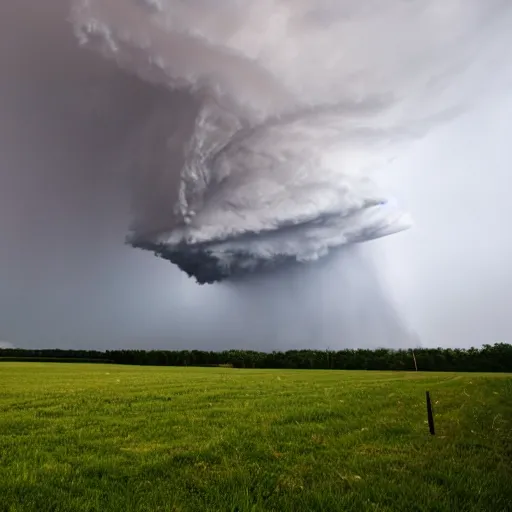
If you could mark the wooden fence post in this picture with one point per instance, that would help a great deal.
(430, 415)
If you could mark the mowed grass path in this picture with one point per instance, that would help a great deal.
(106, 438)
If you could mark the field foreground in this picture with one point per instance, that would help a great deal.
(79, 437)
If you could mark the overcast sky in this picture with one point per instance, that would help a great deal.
(68, 280)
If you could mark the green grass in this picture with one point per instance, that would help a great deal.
(104, 438)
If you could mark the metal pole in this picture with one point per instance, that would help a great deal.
(414, 358)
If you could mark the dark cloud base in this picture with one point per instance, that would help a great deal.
(205, 268)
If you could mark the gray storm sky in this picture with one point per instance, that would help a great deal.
(68, 280)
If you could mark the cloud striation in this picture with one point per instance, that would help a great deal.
(290, 110)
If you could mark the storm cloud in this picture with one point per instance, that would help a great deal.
(234, 137)
(292, 106)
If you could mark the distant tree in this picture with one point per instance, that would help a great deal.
(489, 358)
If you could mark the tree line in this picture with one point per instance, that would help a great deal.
(489, 358)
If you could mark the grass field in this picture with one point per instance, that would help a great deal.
(104, 438)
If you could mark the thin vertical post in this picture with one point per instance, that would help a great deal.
(414, 359)
(430, 415)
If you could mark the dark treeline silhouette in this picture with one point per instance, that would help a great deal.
(489, 358)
